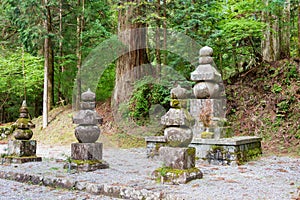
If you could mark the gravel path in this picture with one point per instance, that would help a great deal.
(267, 178)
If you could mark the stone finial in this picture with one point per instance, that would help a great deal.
(88, 96)
(206, 51)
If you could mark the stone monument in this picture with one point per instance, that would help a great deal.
(87, 154)
(212, 138)
(178, 158)
(22, 149)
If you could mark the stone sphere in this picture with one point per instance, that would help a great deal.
(204, 90)
(23, 134)
(178, 93)
(178, 136)
(87, 134)
(206, 51)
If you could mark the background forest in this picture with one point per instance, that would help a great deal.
(256, 48)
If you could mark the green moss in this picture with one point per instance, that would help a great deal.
(15, 156)
(89, 162)
(207, 135)
(191, 151)
(175, 173)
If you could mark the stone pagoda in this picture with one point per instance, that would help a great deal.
(177, 157)
(208, 107)
(87, 154)
(22, 149)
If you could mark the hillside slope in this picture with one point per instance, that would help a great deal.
(265, 101)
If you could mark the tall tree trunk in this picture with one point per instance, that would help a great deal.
(129, 68)
(80, 25)
(299, 30)
(285, 31)
(61, 67)
(158, 54)
(46, 68)
(165, 32)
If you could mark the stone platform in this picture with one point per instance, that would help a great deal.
(225, 151)
(86, 157)
(21, 151)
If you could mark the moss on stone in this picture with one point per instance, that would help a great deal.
(207, 135)
(191, 151)
(88, 162)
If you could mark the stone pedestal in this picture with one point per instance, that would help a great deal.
(228, 151)
(86, 151)
(179, 166)
(178, 158)
(22, 151)
(87, 157)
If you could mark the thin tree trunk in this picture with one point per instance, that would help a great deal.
(299, 30)
(61, 68)
(165, 33)
(158, 54)
(80, 25)
(46, 68)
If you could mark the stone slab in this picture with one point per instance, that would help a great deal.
(216, 151)
(22, 148)
(20, 160)
(85, 166)
(172, 178)
(178, 158)
(86, 151)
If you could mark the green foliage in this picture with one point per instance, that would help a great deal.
(21, 77)
(106, 83)
(145, 94)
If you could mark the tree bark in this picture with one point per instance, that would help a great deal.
(299, 30)
(158, 54)
(46, 70)
(129, 66)
(285, 31)
(80, 26)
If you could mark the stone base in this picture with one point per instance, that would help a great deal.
(86, 151)
(177, 157)
(216, 151)
(176, 176)
(228, 151)
(21, 148)
(86, 157)
(86, 165)
(20, 160)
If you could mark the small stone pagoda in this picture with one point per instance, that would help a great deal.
(87, 154)
(22, 149)
(177, 157)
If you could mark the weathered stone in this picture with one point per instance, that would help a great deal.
(87, 134)
(23, 134)
(87, 105)
(88, 96)
(87, 117)
(178, 158)
(178, 137)
(205, 72)
(177, 177)
(178, 93)
(177, 117)
(206, 90)
(206, 60)
(94, 188)
(86, 151)
(22, 147)
(23, 124)
(206, 51)
(21, 160)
